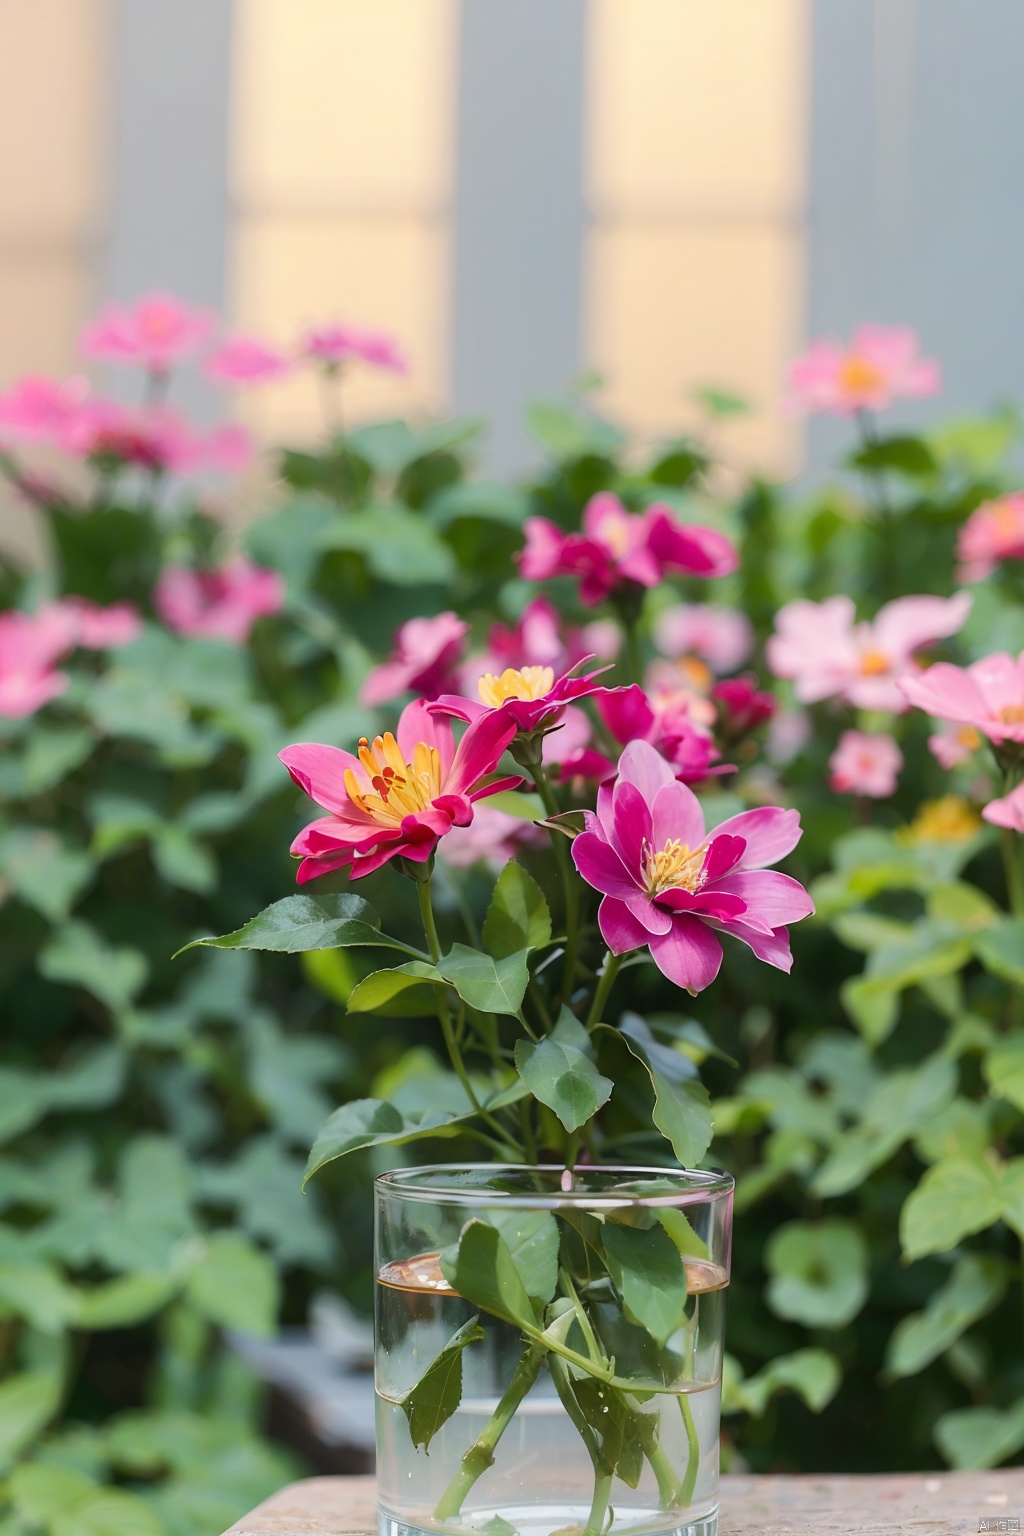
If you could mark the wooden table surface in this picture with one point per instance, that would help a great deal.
(931, 1504)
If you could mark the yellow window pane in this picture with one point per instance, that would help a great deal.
(697, 104)
(42, 304)
(674, 308)
(386, 273)
(50, 117)
(340, 103)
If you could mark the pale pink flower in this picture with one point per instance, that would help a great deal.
(156, 332)
(334, 345)
(569, 754)
(880, 365)
(723, 637)
(539, 639)
(865, 763)
(245, 360)
(37, 409)
(952, 744)
(789, 731)
(993, 532)
(989, 695)
(30, 644)
(492, 838)
(228, 449)
(102, 629)
(423, 659)
(1008, 811)
(156, 438)
(219, 604)
(666, 722)
(827, 654)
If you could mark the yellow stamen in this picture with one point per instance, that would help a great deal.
(398, 788)
(858, 376)
(874, 664)
(967, 736)
(527, 683)
(1011, 714)
(948, 820)
(676, 867)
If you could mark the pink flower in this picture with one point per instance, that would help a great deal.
(539, 640)
(531, 697)
(670, 885)
(228, 449)
(245, 360)
(424, 658)
(30, 644)
(880, 364)
(664, 722)
(829, 655)
(952, 744)
(617, 547)
(989, 695)
(569, 754)
(993, 532)
(724, 637)
(788, 734)
(37, 409)
(492, 837)
(865, 764)
(399, 797)
(742, 706)
(338, 344)
(157, 332)
(155, 439)
(94, 627)
(1007, 811)
(220, 604)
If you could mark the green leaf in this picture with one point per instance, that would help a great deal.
(955, 1197)
(980, 1437)
(818, 1272)
(27, 1402)
(376, 1123)
(1000, 948)
(895, 1109)
(436, 1396)
(682, 1109)
(235, 1285)
(123, 1302)
(78, 956)
(481, 1268)
(624, 1432)
(532, 1240)
(909, 456)
(108, 1512)
(38, 1293)
(976, 1285)
(1004, 1069)
(404, 991)
(183, 861)
(299, 923)
(43, 871)
(399, 545)
(518, 916)
(569, 432)
(562, 1078)
(52, 752)
(813, 1374)
(40, 1490)
(648, 1273)
(493, 986)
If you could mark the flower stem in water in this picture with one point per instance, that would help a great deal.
(480, 1455)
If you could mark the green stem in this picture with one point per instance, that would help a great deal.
(665, 1472)
(1011, 846)
(609, 971)
(602, 1480)
(634, 667)
(569, 886)
(599, 1504)
(593, 1348)
(480, 1455)
(685, 1495)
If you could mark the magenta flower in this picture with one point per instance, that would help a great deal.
(742, 706)
(865, 763)
(617, 547)
(220, 604)
(400, 796)
(37, 409)
(156, 439)
(157, 332)
(723, 637)
(880, 364)
(1008, 811)
(245, 360)
(829, 655)
(988, 695)
(538, 639)
(993, 532)
(334, 345)
(569, 755)
(30, 644)
(533, 698)
(670, 885)
(665, 723)
(424, 658)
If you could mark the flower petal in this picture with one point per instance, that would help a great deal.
(320, 772)
(769, 832)
(677, 814)
(479, 751)
(642, 765)
(619, 928)
(601, 866)
(775, 898)
(631, 825)
(417, 723)
(689, 954)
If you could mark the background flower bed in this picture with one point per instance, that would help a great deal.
(157, 1113)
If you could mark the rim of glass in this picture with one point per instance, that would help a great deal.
(698, 1186)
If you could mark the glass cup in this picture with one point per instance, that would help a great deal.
(549, 1349)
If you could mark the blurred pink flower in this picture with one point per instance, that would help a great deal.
(156, 332)
(338, 344)
(788, 733)
(219, 604)
(228, 449)
(670, 885)
(865, 764)
(245, 360)
(742, 706)
(157, 439)
(569, 754)
(102, 629)
(829, 655)
(617, 547)
(532, 697)
(989, 695)
(993, 532)
(880, 364)
(723, 637)
(492, 838)
(952, 744)
(37, 409)
(539, 639)
(30, 644)
(423, 659)
(664, 721)
(1008, 811)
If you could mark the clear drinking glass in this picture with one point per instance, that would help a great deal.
(549, 1349)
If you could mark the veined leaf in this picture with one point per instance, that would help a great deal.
(518, 916)
(648, 1273)
(481, 1268)
(299, 923)
(561, 1077)
(436, 1396)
